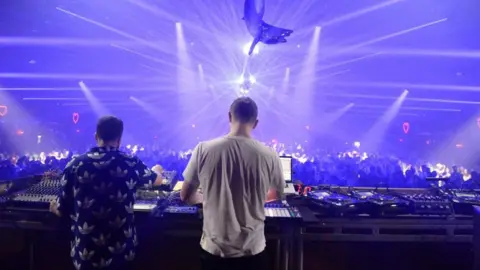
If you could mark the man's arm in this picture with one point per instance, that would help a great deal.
(148, 178)
(189, 193)
(62, 206)
(277, 181)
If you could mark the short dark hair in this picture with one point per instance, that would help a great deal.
(109, 128)
(244, 110)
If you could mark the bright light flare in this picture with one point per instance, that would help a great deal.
(241, 79)
(252, 79)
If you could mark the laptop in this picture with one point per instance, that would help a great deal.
(287, 175)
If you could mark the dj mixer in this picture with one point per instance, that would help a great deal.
(37, 196)
(427, 203)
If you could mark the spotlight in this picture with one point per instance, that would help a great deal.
(245, 84)
(241, 79)
(244, 92)
(246, 49)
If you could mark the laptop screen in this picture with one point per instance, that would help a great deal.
(287, 168)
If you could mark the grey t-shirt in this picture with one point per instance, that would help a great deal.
(235, 174)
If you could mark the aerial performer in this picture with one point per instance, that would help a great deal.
(260, 30)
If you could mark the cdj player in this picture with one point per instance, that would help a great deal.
(146, 200)
(463, 201)
(380, 204)
(333, 203)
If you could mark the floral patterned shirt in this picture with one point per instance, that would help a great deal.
(98, 194)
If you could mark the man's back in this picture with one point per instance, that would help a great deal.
(235, 174)
(98, 195)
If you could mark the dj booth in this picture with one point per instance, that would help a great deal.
(313, 228)
(35, 238)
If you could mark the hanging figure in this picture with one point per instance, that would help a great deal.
(261, 31)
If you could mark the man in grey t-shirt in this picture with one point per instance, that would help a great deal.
(235, 174)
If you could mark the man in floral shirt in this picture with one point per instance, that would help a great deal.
(98, 194)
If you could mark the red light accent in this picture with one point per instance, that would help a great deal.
(75, 117)
(307, 127)
(193, 126)
(400, 140)
(20, 132)
(3, 110)
(478, 122)
(406, 127)
(459, 145)
(78, 130)
(428, 142)
(307, 190)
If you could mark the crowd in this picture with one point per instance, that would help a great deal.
(351, 168)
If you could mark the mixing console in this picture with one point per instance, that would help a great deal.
(37, 196)
(425, 203)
